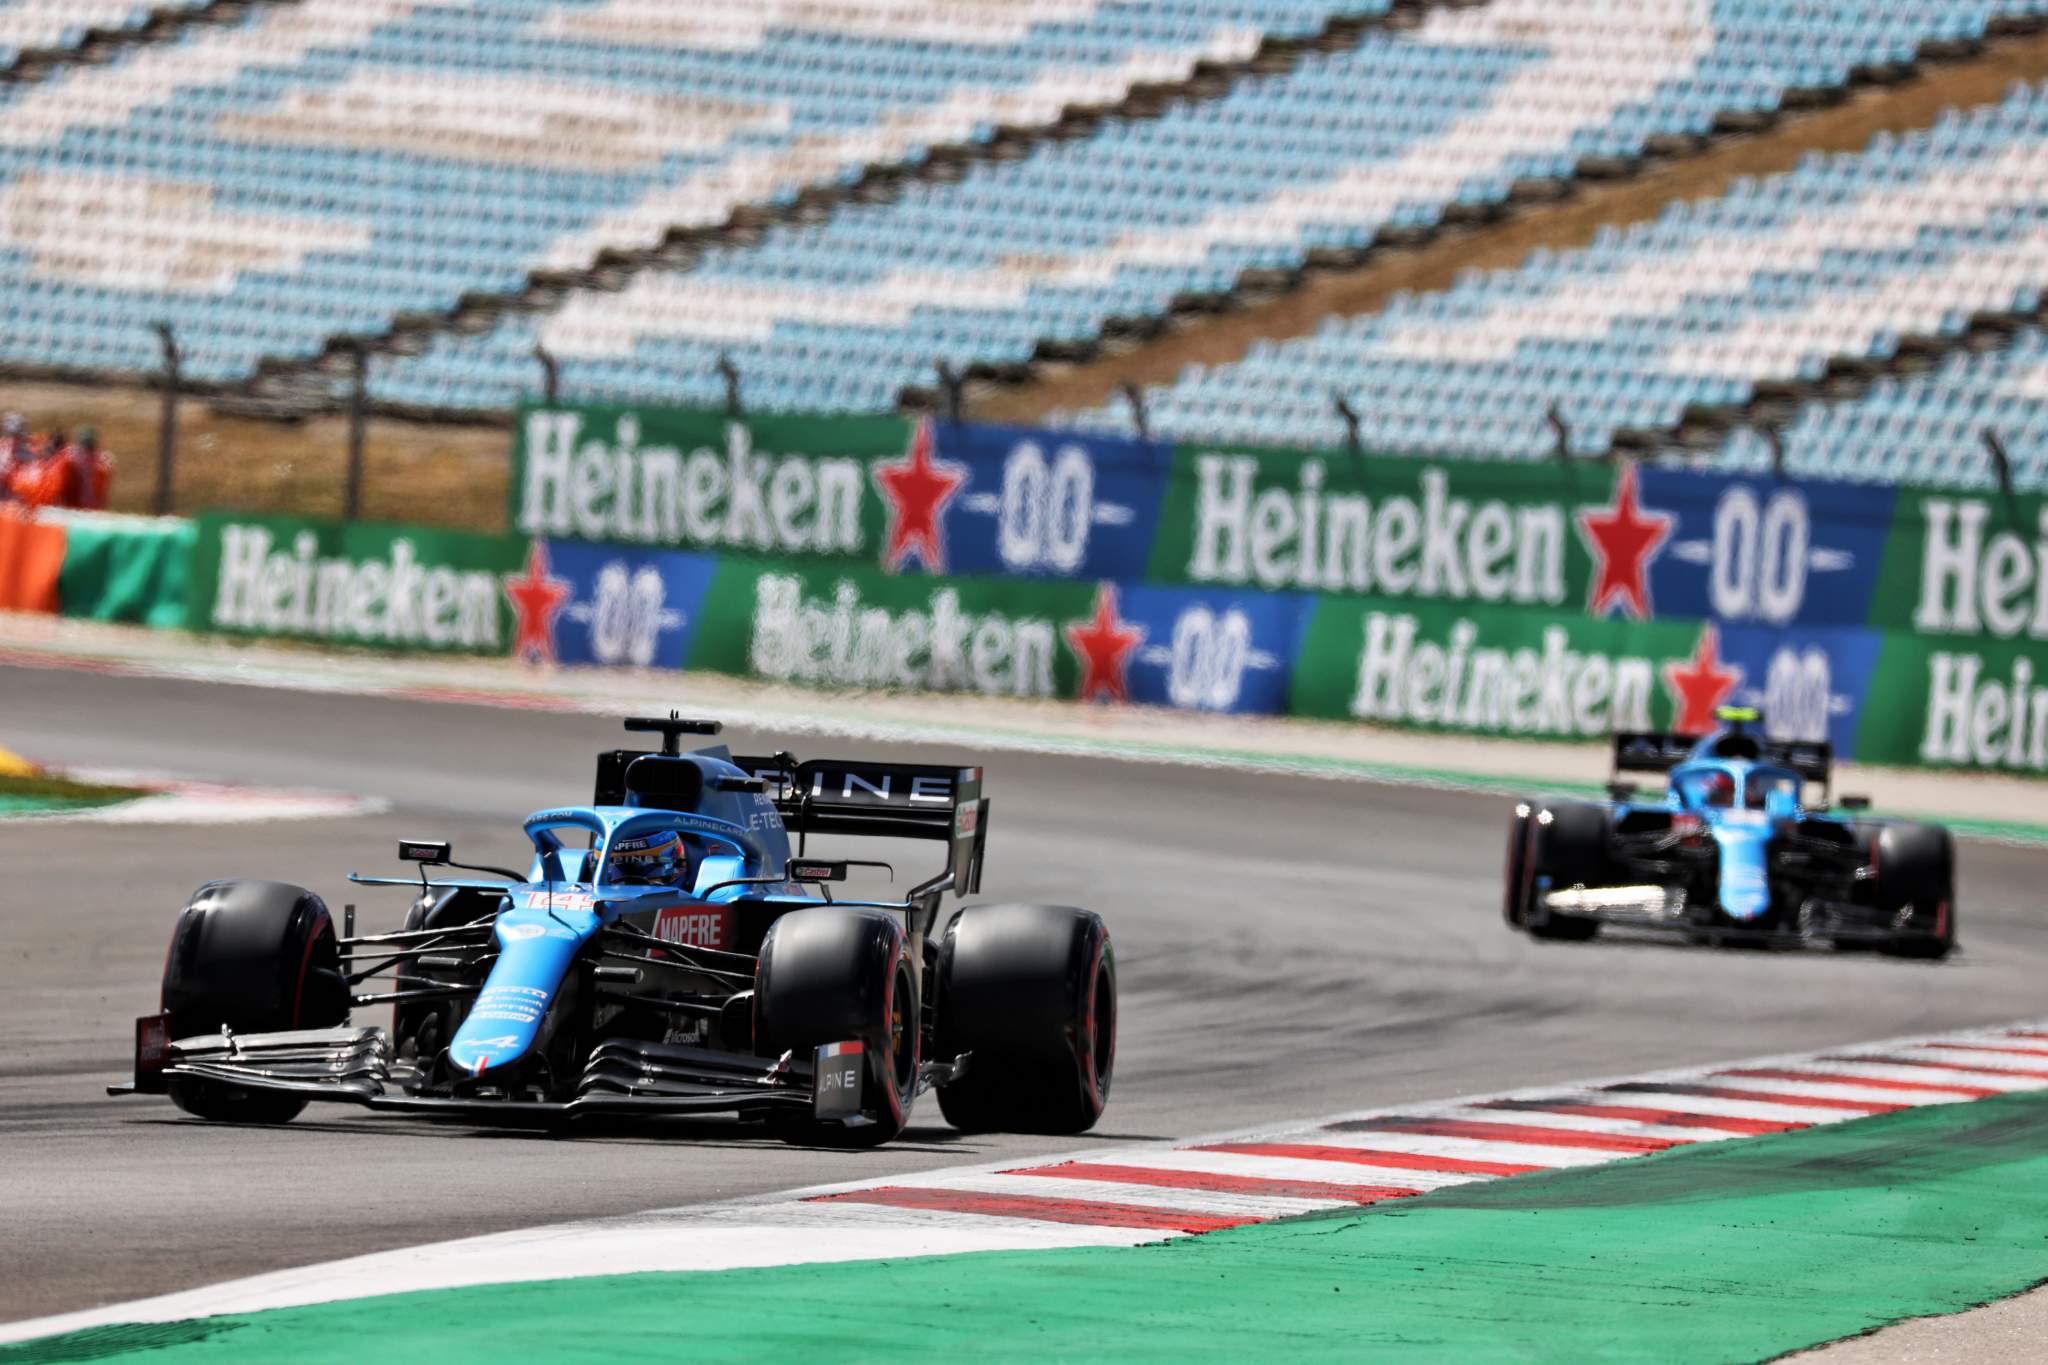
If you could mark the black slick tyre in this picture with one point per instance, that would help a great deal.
(254, 957)
(1030, 991)
(1567, 846)
(833, 975)
(1514, 877)
(1916, 879)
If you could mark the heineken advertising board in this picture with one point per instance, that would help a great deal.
(880, 492)
(1540, 600)
(394, 587)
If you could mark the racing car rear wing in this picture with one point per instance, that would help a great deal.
(883, 800)
(1651, 751)
(1655, 751)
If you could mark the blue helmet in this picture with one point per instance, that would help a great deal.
(651, 860)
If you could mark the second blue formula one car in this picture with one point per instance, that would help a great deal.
(665, 952)
(1732, 851)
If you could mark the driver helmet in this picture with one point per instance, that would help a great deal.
(651, 860)
(1717, 789)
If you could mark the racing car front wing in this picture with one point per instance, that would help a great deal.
(356, 1066)
(1667, 908)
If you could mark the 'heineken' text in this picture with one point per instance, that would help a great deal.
(1441, 547)
(1552, 691)
(847, 644)
(394, 601)
(658, 495)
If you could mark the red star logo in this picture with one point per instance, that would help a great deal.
(917, 489)
(1104, 647)
(1626, 540)
(536, 596)
(1699, 686)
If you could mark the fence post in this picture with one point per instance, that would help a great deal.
(1135, 396)
(1563, 431)
(730, 373)
(1353, 442)
(2001, 462)
(167, 424)
(1776, 440)
(1349, 415)
(358, 419)
(550, 373)
(950, 384)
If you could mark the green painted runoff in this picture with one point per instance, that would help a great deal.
(1726, 1251)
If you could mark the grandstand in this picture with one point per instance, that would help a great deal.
(334, 166)
(835, 194)
(1384, 141)
(1843, 257)
(35, 34)
(1927, 428)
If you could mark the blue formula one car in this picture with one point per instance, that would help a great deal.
(1731, 852)
(666, 952)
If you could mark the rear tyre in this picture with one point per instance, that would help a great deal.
(830, 975)
(1916, 874)
(1567, 844)
(1030, 991)
(254, 957)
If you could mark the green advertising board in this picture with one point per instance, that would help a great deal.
(1947, 703)
(865, 629)
(132, 569)
(1965, 565)
(1493, 671)
(393, 587)
(768, 485)
(1285, 521)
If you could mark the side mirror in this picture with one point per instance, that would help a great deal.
(434, 851)
(815, 870)
(1853, 802)
(1621, 791)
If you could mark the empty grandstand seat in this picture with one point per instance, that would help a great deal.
(1389, 134)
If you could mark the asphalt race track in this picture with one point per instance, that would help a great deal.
(1288, 948)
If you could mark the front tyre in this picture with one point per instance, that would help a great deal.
(1515, 875)
(1567, 847)
(1916, 882)
(253, 957)
(833, 975)
(1030, 991)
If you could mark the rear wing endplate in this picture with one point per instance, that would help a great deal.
(1651, 751)
(883, 800)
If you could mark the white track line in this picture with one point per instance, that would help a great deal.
(996, 1207)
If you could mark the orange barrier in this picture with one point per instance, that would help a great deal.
(31, 559)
